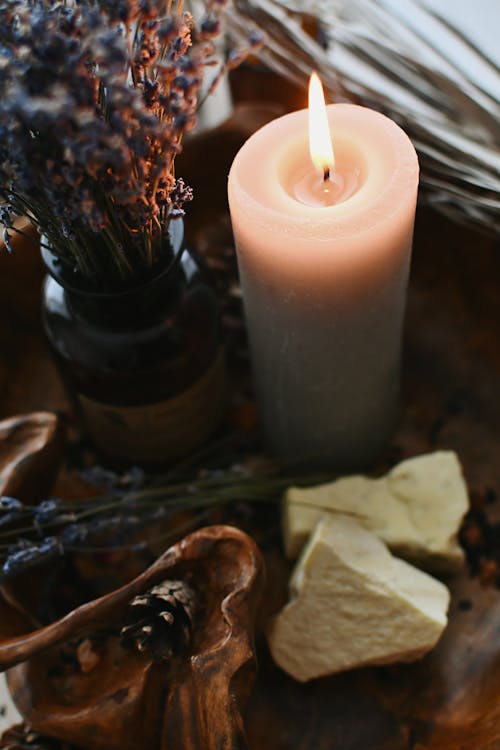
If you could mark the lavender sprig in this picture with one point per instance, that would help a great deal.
(118, 515)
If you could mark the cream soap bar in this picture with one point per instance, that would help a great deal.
(354, 604)
(417, 509)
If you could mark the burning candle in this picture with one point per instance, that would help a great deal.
(323, 238)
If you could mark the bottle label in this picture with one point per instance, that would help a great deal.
(163, 431)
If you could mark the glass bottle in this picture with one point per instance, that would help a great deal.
(145, 366)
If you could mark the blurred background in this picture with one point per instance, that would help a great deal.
(431, 65)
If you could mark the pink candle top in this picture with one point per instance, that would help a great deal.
(372, 192)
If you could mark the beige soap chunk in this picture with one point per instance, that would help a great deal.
(417, 509)
(354, 604)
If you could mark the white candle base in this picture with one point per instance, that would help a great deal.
(327, 379)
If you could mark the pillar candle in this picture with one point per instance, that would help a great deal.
(324, 267)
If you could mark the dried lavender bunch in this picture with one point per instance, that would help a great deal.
(95, 99)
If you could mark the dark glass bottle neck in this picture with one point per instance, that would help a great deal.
(130, 308)
(135, 308)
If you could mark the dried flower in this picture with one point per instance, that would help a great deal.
(26, 554)
(111, 521)
(95, 99)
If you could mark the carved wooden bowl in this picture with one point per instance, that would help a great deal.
(76, 680)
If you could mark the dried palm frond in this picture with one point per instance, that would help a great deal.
(422, 62)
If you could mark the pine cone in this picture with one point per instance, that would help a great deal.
(160, 621)
(22, 737)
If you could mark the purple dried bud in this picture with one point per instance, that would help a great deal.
(74, 535)
(210, 27)
(151, 93)
(10, 510)
(26, 555)
(168, 30)
(6, 240)
(235, 58)
(6, 216)
(186, 84)
(256, 38)
(147, 8)
(46, 511)
(180, 46)
(8, 504)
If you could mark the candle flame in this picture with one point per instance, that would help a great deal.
(320, 141)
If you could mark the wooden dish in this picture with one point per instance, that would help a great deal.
(451, 699)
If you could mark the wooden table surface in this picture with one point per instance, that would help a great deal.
(451, 378)
(451, 383)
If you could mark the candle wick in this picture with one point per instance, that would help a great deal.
(326, 173)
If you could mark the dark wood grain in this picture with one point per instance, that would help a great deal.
(451, 384)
